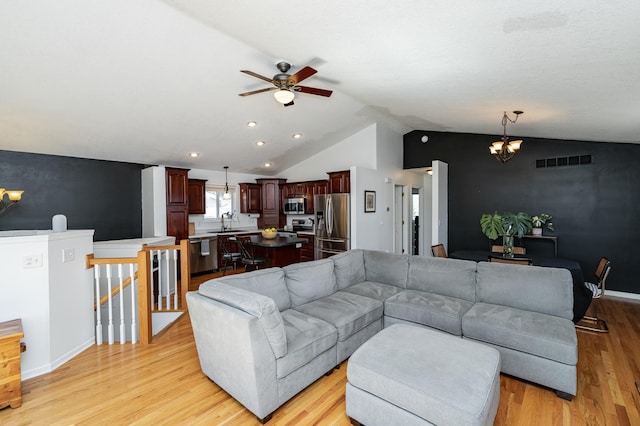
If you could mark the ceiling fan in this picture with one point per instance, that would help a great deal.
(286, 85)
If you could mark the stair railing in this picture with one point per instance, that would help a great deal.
(113, 276)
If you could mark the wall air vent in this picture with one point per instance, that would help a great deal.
(574, 160)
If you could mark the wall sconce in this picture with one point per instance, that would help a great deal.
(504, 150)
(13, 195)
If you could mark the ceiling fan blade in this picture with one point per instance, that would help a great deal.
(289, 104)
(261, 77)
(313, 90)
(257, 91)
(296, 78)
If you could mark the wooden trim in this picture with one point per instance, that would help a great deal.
(146, 331)
(185, 273)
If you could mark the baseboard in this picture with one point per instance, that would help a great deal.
(49, 367)
(622, 294)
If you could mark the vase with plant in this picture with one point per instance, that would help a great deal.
(506, 225)
(539, 221)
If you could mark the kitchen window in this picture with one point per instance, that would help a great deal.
(216, 204)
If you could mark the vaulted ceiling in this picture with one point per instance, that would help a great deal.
(149, 81)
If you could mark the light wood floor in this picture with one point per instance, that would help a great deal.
(162, 384)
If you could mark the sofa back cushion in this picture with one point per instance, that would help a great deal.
(444, 276)
(386, 268)
(348, 268)
(257, 305)
(530, 288)
(309, 281)
(268, 282)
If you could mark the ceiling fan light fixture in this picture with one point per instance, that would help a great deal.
(284, 96)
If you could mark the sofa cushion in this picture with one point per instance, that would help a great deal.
(430, 309)
(543, 335)
(448, 277)
(261, 307)
(530, 288)
(348, 268)
(347, 312)
(374, 290)
(307, 337)
(268, 282)
(309, 281)
(386, 268)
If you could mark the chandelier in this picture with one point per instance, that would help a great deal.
(504, 149)
(14, 197)
(226, 195)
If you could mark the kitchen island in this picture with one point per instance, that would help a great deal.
(279, 251)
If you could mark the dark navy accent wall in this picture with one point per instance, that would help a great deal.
(595, 207)
(93, 194)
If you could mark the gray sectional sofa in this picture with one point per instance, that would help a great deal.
(264, 336)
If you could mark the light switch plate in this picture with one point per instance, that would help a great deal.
(68, 255)
(32, 261)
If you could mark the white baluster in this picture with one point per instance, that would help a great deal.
(160, 277)
(168, 280)
(96, 272)
(110, 325)
(134, 306)
(123, 337)
(151, 281)
(175, 279)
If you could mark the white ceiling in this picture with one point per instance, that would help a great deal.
(147, 81)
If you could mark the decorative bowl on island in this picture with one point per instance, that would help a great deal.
(269, 233)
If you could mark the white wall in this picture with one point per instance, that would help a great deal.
(54, 300)
(358, 149)
(154, 202)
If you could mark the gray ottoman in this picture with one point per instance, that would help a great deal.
(409, 375)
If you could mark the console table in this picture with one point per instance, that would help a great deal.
(10, 378)
(552, 238)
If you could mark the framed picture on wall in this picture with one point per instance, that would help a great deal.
(369, 201)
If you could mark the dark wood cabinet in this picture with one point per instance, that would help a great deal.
(177, 203)
(177, 186)
(312, 189)
(307, 251)
(196, 195)
(272, 214)
(250, 198)
(339, 182)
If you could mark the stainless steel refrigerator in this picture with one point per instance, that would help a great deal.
(333, 224)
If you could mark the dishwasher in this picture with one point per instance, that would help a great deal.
(201, 259)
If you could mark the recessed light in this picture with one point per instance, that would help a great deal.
(297, 135)
(194, 154)
(260, 143)
(252, 124)
(267, 164)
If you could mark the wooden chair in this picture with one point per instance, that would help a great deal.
(516, 250)
(438, 250)
(248, 258)
(228, 257)
(511, 260)
(597, 289)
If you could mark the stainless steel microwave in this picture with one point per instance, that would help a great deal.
(294, 205)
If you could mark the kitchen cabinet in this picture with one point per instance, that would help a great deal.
(177, 203)
(307, 251)
(339, 182)
(177, 186)
(272, 214)
(196, 196)
(312, 189)
(250, 197)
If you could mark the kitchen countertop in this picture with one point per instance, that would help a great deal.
(260, 241)
(216, 234)
(310, 233)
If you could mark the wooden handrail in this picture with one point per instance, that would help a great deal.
(143, 260)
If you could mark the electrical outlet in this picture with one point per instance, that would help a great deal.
(68, 255)
(32, 261)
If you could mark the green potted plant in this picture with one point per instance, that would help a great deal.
(505, 225)
(538, 221)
